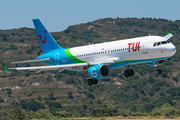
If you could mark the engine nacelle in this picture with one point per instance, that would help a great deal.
(153, 63)
(98, 71)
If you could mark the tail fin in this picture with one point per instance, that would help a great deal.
(47, 41)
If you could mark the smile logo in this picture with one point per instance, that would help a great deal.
(94, 74)
(43, 41)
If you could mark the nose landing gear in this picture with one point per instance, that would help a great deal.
(158, 71)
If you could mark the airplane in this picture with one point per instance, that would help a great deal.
(96, 60)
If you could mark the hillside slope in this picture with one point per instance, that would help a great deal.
(142, 92)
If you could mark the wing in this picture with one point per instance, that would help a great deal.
(53, 67)
(62, 67)
(168, 36)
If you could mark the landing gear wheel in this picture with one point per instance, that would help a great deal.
(95, 81)
(126, 73)
(160, 71)
(90, 82)
(131, 72)
(157, 72)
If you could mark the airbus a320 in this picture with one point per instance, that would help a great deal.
(96, 60)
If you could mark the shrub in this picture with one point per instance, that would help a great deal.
(1, 100)
(17, 114)
(63, 114)
(165, 110)
(12, 47)
(105, 110)
(39, 114)
(31, 105)
(69, 81)
(70, 95)
(54, 104)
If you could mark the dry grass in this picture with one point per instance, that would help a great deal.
(122, 118)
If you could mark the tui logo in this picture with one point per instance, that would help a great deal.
(43, 41)
(133, 46)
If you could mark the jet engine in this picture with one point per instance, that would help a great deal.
(98, 71)
(153, 63)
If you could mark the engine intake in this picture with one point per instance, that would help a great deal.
(98, 71)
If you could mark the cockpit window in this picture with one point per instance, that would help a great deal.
(158, 43)
(154, 44)
(163, 42)
(168, 41)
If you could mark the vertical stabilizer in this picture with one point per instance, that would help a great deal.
(47, 41)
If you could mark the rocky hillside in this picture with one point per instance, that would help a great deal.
(142, 92)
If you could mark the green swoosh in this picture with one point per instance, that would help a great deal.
(67, 52)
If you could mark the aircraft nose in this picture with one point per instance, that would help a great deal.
(172, 50)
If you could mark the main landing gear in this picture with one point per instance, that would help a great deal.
(92, 81)
(128, 72)
(158, 71)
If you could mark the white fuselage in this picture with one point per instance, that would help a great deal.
(119, 50)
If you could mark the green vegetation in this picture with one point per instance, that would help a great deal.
(67, 94)
(31, 105)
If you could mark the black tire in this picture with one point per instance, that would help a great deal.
(90, 82)
(131, 72)
(95, 81)
(160, 71)
(126, 73)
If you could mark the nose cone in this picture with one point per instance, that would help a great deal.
(171, 50)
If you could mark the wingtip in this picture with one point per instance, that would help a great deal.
(6, 68)
(168, 32)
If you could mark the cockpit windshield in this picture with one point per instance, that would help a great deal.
(161, 43)
(158, 43)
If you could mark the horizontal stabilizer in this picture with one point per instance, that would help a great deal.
(31, 61)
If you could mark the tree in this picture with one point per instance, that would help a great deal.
(63, 114)
(165, 110)
(39, 98)
(51, 96)
(9, 93)
(53, 110)
(17, 114)
(1, 100)
(105, 110)
(39, 114)
(175, 79)
(4, 38)
(54, 104)
(31, 105)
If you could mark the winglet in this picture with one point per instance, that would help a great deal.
(168, 32)
(168, 36)
(6, 68)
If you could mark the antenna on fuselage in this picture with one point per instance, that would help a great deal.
(149, 34)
